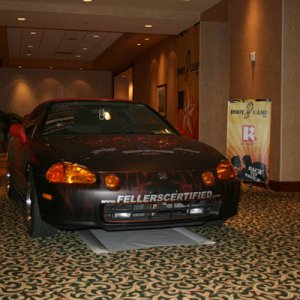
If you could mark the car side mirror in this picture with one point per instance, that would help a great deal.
(18, 130)
(181, 130)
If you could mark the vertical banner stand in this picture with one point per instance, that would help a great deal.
(248, 138)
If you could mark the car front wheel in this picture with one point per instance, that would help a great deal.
(35, 225)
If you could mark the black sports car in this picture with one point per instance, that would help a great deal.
(97, 163)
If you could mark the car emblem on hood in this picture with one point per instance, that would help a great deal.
(162, 176)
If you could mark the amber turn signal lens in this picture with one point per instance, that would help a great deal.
(225, 170)
(56, 173)
(66, 172)
(208, 178)
(112, 182)
(47, 196)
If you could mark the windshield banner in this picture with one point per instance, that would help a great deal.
(248, 138)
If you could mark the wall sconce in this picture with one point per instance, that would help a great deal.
(252, 57)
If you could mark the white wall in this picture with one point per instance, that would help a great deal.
(22, 89)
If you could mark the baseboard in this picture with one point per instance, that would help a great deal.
(284, 186)
(278, 186)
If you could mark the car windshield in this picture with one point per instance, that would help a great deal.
(103, 117)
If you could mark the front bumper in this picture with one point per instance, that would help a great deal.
(78, 207)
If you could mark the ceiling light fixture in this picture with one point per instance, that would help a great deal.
(87, 0)
(20, 67)
(139, 44)
(95, 36)
(147, 39)
(78, 55)
(21, 19)
(33, 32)
(148, 26)
(84, 49)
(29, 46)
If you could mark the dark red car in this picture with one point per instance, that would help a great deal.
(94, 163)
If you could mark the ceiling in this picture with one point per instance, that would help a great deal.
(73, 33)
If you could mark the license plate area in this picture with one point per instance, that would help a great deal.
(151, 212)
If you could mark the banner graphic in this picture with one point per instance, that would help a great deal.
(248, 138)
(188, 81)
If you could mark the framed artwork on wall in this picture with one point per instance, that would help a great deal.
(161, 99)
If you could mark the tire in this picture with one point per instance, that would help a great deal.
(35, 225)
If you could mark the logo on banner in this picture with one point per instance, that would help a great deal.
(248, 134)
(249, 110)
(190, 66)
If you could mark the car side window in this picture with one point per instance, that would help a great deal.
(31, 122)
(30, 125)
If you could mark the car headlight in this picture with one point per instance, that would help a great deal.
(66, 172)
(225, 170)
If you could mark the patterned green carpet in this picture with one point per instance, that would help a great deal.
(257, 256)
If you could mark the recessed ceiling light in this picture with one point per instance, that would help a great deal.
(20, 67)
(50, 67)
(95, 35)
(148, 26)
(21, 19)
(33, 32)
(29, 46)
(78, 55)
(84, 49)
(147, 39)
(139, 44)
(28, 54)
(87, 0)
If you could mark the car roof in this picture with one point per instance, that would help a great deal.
(88, 99)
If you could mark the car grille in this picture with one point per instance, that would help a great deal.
(148, 212)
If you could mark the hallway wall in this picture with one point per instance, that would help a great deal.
(155, 67)
(255, 25)
(22, 89)
(290, 110)
(214, 84)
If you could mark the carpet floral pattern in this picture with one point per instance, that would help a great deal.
(256, 256)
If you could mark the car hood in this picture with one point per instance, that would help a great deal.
(114, 153)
